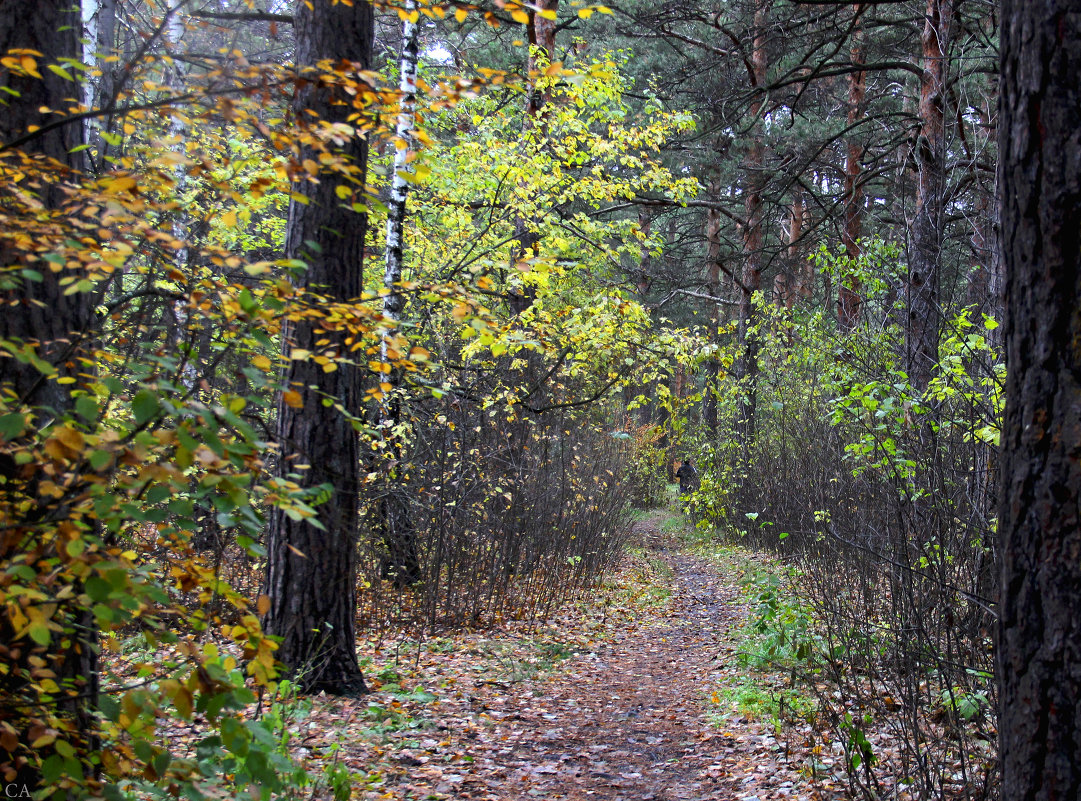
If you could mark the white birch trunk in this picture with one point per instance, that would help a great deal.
(401, 563)
(394, 302)
(99, 33)
(90, 10)
(176, 76)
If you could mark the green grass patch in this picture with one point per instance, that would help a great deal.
(757, 698)
(774, 647)
(518, 660)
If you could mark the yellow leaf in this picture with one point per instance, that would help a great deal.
(292, 399)
(519, 16)
(299, 354)
(30, 65)
(229, 219)
(71, 438)
(460, 14)
(124, 183)
(262, 362)
(258, 268)
(585, 13)
(548, 13)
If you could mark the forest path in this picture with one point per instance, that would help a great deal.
(635, 711)
(633, 719)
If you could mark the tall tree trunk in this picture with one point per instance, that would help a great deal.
(541, 33)
(39, 311)
(635, 389)
(678, 388)
(713, 364)
(1039, 666)
(753, 236)
(924, 314)
(59, 327)
(802, 269)
(310, 574)
(99, 41)
(849, 299)
(985, 281)
(400, 562)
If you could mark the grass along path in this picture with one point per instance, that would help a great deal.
(638, 693)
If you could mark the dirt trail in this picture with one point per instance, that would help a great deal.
(631, 720)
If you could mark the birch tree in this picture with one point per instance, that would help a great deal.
(401, 563)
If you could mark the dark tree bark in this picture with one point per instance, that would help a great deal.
(541, 32)
(1039, 644)
(849, 300)
(924, 315)
(746, 367)
(39, 311)
(713, 364)
(984, 292)
(59, 326)
(310, 572)
(634, 389)
(542, 47)
(801, 268)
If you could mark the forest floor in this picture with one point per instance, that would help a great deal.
(637, 692)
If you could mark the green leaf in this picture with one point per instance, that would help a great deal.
(39, 633)
(87, 407)
(11, 425)
(145, 406)
(97, 588)
(99, 460)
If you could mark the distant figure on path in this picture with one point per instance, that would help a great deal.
(687, 476)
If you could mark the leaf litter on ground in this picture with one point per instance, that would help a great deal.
(626, 694)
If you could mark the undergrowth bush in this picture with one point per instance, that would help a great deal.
(512, 514)
(883, 495)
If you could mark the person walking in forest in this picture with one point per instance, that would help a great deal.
(687, 476)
